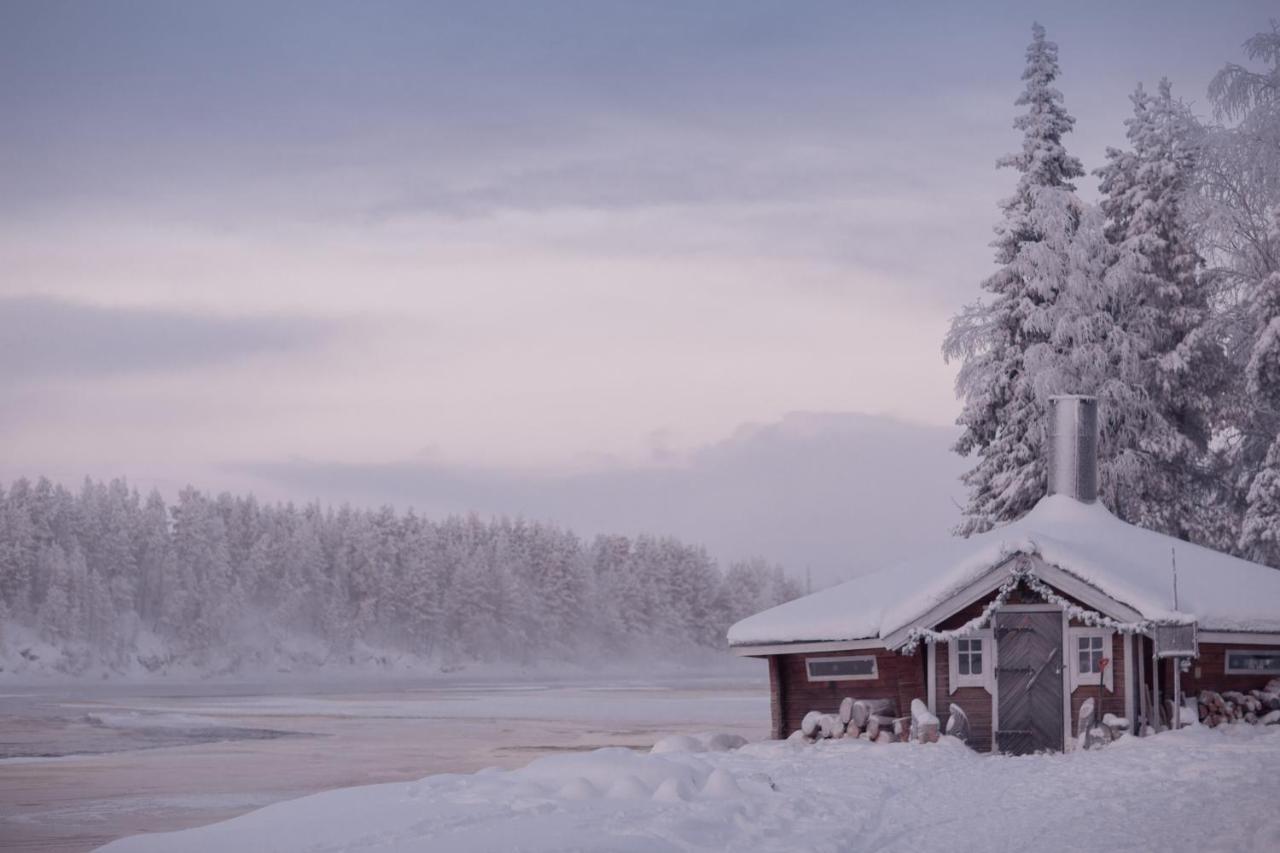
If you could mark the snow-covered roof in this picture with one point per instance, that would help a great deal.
(1128, 564)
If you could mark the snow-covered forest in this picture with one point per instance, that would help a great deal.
(1163, 300)
(107, 578)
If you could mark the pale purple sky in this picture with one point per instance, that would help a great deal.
(520, 257)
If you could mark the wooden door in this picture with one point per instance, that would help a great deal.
(1028, 681)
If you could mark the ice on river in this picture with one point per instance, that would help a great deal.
(84, 763)
(1194, 790)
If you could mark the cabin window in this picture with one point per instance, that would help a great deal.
(969, 655)
(1087, 648)
(1090, 651)
(1253, 662)
(858, 668)
(970, 663)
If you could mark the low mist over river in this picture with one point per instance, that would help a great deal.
(83, 764)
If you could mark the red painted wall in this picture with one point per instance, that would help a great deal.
(1208, 672)
(899, 678)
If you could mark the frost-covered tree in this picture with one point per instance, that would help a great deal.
(153, 558)
(420, 596)
(478, 600)
(1239, 92)
(751, 586)
(59, 611)
(1260, 530)
(1003, 410)
(19, 548)
(107, 629)
(210, 591)
(230, 579)
(1161, 344)
(113, 512)
(1260, 527)
(302, 574)
(609, 558)
(638, 594)
(687, 587)
(1235, 206)
(549, 569)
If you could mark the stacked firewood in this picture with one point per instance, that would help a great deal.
(872, 719)
(877, 720)
(1258, 707)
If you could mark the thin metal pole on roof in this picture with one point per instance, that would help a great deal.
(1175, 717)
(1156, 711)
(1177, 693)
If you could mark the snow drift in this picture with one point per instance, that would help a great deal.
(782, 796)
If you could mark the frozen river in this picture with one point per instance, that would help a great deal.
(82, 765)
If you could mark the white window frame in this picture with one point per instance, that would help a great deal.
(986, 678)
(1090, 679)
(1270, 652)
(874, 674)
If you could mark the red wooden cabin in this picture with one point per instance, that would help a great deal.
(1013, 625)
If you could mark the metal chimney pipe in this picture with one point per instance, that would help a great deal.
(1073, 447)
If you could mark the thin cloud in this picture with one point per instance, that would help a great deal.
(44, 338)
(648, 179)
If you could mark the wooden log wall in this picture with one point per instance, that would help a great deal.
(1209, 672)
(777, 699)
(900, 678)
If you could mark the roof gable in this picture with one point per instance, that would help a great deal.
(895, 636)
(1122, 567)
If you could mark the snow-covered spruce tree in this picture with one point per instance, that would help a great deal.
(1162, 348)
(1003, 414)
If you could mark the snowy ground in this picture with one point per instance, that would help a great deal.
(1197, 790)
(82, 763)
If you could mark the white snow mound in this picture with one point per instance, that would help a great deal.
(706, 742)
(771, 797)
(678, 743)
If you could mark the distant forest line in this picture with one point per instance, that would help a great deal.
(107, 578)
